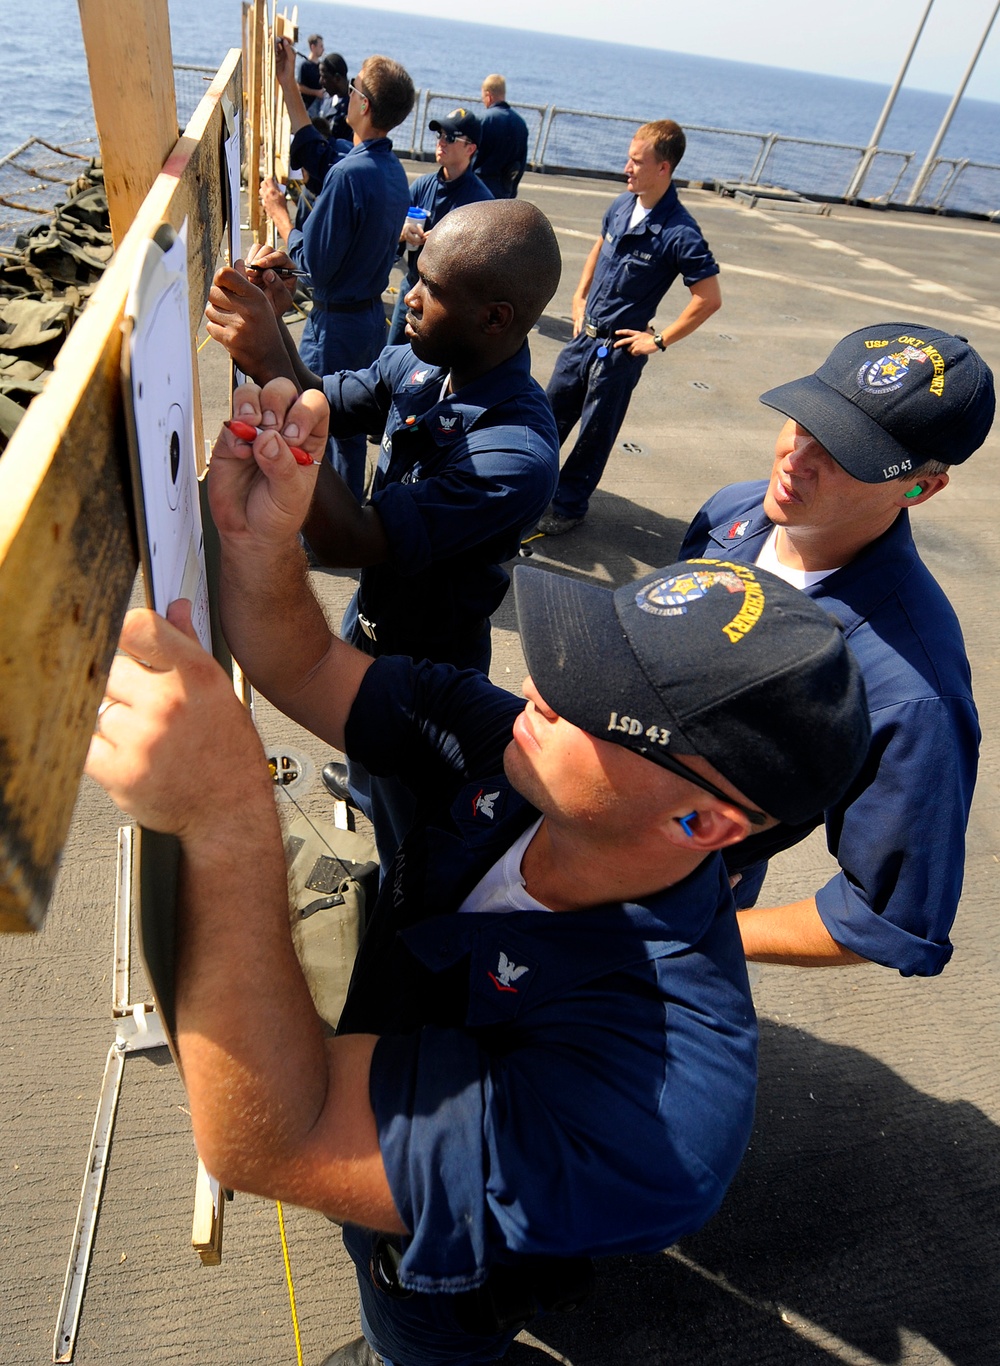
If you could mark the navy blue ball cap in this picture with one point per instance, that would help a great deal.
(704, 657)
(458, 121)
(891, 397)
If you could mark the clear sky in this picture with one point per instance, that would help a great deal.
(863, 39)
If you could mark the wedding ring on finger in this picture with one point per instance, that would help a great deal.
(105, 705)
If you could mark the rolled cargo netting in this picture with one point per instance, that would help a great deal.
(46, 276)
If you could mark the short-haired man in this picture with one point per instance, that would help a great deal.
(447, 188)
(468, 460)
(348, 242)
(870, 436)
(647, 240)
(503, 151)
(307, 77)
(326, 138)
(548, 1049)
(336, 96)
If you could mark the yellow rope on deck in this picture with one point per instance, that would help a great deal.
(288, 1278)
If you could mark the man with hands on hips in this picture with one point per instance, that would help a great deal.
(647, 239)
(514, 1088)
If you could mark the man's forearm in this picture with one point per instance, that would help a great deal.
(278, 634)
(587, 274)
(343, 534)
(579, 305)
(706, 299)
(277, 1109)
(281, 218)
(284, 362)
(251, 1045)
(273, 624)
(299, 372)
(793, 934)
(298, 114)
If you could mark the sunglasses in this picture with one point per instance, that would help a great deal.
(359, 92)
(452, 137)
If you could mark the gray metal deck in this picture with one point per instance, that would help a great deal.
(863, 1227)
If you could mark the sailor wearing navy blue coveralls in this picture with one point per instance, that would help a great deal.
(548, 1049)
(333, 106)
(647, 240)
(503, 151)
(309, 150)
(458, 478)
(449, 187)
(870, 437)
(307, 79)
(468, 460)
(348, 243)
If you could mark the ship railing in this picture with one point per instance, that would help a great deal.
(190, 84)
(583, 141)
(806, 165)
(980, 193)
(36, 176)
(832, 168)
(574, 141)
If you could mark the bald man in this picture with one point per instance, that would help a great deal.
(503, 149)
(469, 458)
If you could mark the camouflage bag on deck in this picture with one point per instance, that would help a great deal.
(333, 879)
(44, 284)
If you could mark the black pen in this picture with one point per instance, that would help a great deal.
(286, 272)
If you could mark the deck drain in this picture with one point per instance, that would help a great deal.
(290, 770)
(632, 447)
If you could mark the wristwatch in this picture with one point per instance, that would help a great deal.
(658, 342)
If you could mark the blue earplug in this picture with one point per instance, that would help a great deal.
(685, 823)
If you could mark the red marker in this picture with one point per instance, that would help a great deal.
(246, 431)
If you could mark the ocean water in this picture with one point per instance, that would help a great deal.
(44, 88)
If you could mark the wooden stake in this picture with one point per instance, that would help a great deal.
(255, 109)
(132, 83)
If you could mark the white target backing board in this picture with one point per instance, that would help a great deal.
(159, 401)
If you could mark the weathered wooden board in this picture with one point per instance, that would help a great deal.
(132, 88)
(260, 52)
(283, 28)
(67, 547)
